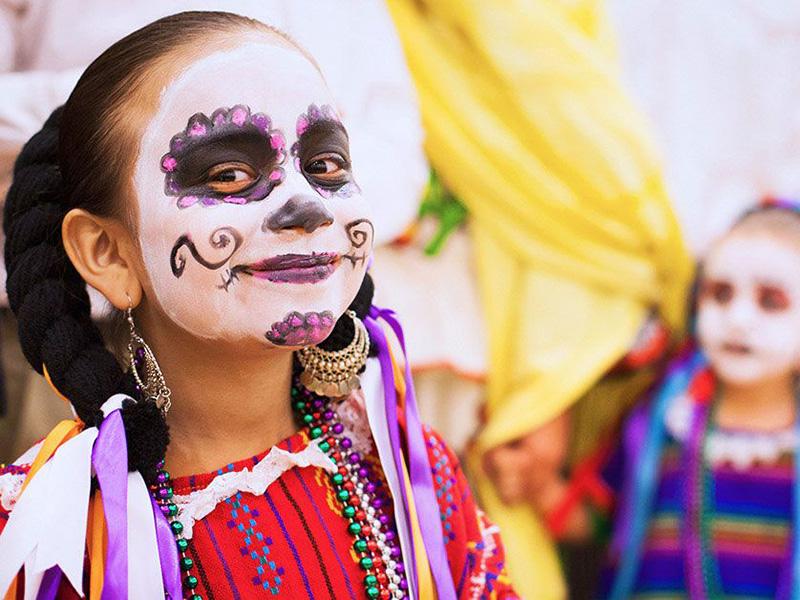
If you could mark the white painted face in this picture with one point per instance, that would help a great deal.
(251, 224)
(749, 308)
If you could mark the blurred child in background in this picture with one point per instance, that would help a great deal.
(705, 469)
(708, 473)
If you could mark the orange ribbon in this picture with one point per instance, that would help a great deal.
(97, 544)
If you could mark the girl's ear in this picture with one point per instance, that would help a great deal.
(104, 253)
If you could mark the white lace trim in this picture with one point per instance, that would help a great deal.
(352, 414)
(742, 449)
(195, 506)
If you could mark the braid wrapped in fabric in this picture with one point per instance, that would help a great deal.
(52, 306)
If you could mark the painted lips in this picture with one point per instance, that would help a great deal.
(736, 348)
(295, 268)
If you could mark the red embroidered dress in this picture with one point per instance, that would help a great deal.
(292, 541)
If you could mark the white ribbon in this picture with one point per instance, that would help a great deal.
(63, 510)
(144, 565)
(372, 386)
(20, 536)
(48, 524)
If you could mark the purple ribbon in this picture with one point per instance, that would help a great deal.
(167, 553)
(633, 437)
(110, 461)
(419, 466)
(390, 400)
(50, 583)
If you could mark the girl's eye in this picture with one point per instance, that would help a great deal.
(327, 168)
(720, 292)
(230, 178)
(772, 299)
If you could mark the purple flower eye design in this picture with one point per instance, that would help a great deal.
(322, 153)
(232, 157)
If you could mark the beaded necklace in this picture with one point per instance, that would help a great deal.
(702, 569)
(363, 497)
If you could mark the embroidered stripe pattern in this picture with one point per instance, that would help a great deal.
(750, 529)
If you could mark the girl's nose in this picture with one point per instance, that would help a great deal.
(299, 212)
(741, 311)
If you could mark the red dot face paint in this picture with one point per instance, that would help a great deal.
(237, 241)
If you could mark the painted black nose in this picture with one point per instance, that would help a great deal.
(299, 212)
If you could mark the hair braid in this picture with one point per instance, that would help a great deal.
(52, 306)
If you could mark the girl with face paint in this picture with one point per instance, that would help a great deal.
(199, 177)
(707, 467)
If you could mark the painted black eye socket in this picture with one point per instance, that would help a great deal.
(719, 292)
(773, 299)
(329, 169)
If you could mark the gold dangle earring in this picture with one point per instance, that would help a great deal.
(335, 373)
(145, 369)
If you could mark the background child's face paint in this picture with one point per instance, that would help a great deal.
(749, 308)
(239, 240)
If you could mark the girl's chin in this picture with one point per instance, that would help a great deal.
(746, 371)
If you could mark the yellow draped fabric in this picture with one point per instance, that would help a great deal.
(528, 124)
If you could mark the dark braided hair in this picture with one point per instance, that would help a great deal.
(81, 169)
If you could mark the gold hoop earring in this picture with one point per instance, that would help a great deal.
(335, 373)
(145, 369)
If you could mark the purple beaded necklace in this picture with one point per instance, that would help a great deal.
(363, 496)
(702, 570)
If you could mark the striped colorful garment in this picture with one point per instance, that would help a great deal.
(750, 529)
(292, 541)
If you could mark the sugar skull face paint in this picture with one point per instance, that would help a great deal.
(749, 308)
(236, 245)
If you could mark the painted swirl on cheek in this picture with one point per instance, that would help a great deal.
(232, 157)
(297, 329)
(223, 241)
(360, 233)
